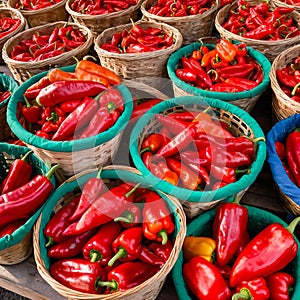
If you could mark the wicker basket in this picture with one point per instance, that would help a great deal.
(245, 100)
(196, 202)
(98, 23)
(14, 14)
(44, 16)
(282, 105)
(6, 84)
(288, 192)
(191, 27)
(24, 70)
(269, 48)
(16, 247)
(146, 64)
(77, 155)
(111, 175)
(279, 3)
(203, 225)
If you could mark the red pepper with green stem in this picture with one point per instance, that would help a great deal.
(281, 285)
(32, 91)
(78, 274)
(131, 217)
(32, 113)
(152, 143)
(204, 279)
(268, 252)
(99, 247)
(18, 175)
(226, 50)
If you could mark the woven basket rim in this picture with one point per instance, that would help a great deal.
(73, 182)
(13, 84)
(199, 196)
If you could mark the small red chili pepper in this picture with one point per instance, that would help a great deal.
(10, 228)
(236, 71)
(4, 95)
(187, 75)
(152, 143)
(224, 87)
(261, 32)
(69, 105)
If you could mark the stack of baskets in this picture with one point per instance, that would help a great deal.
(111, 175)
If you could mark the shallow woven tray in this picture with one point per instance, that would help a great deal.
(191, 27)
(24, 70)
(269, 48)
(282, 105)
(97, 23)
(146, 64)
(53, 13)
(196, 202)
(148, 290)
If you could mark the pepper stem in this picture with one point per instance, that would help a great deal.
(95, 255)
(24, 158)
(145, 150)
(50, 241)
(99, 172)
(292, 226)
(163, 234)
(132, 190)
(259, 139)
(27, 102)
(111, 284)
(51, 171)
(89, 56)
(121, 253)
(127, 217)
(295, 89)
(244, 294)
(236, 199)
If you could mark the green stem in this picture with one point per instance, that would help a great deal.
(292, 226)
(132, 190)
(51, 171)
(24, 158)
(256, 140)
(163, 234)
(99, 172)
(27, 102)
(95, 255)
(121, 253)
(244, 294)
(111, 284)
(50, 241)
(126, 218)
(145, 150)
(89, 56)
(295, 89)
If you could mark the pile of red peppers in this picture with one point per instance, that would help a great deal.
(8, 25)
(34, 4)
(195, 151)
(245, 267)
(99, 7)
(226, 68)
(109, 239)
(261, 22)
(289, 79)
(43, 46)
(64, 106)
(181, 8)
(138, 39)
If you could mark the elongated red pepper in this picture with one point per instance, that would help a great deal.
(175, 126)
(261, 32)
(78, 274)
(59, 222)
(25, 200)
(92, 189)
(19, 174)
(105, 208)
(141, 109)
(236, 71)
(157, 218)
(268, 252)
(10, 228)
(281, 285)
(98, 247)
(204, 279)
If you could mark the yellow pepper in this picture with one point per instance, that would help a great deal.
(198, 246)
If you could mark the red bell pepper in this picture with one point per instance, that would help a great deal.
(152, 143)
(162, 251)
(32, 113)
(204, 279)
(268, 252)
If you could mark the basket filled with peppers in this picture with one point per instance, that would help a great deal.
(194, 19)
(287, 3)
(283, 144)
(238, 252)
(75, 121)
(285, 82)
(11, 22)
(139, 49)
(199, 150)
(26, 184)
(52, 45)
(228, 71)
(40, 12)
(7, 86)
(261, 25)
(100, 15)
(106, 235)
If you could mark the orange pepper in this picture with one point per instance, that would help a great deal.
(57, 74)
(226, 50)
(207, 57)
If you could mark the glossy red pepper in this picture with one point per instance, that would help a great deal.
(162, 251)
(69, 105)
(152, 143)
(174, 126)
(261, 32)
(10, 228)
(131, 217)
(140, 109)
(236, 71)
(268, 252)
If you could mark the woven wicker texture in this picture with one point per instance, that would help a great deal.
(149, 289)
(245, 100)
(16, 247)
(22, 71)
(269, 48)
(44, 16)
(282, 3)
(77, 155)
(98, 23)
(146, 64)
(258, 220)
(282, 105)
(241, 123)
(191, 27)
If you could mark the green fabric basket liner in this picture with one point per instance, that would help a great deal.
(39, 167)
(71, 186)
(202, 226)
(187, 50)
(7, 83)
(189, 195)
(65, 146)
